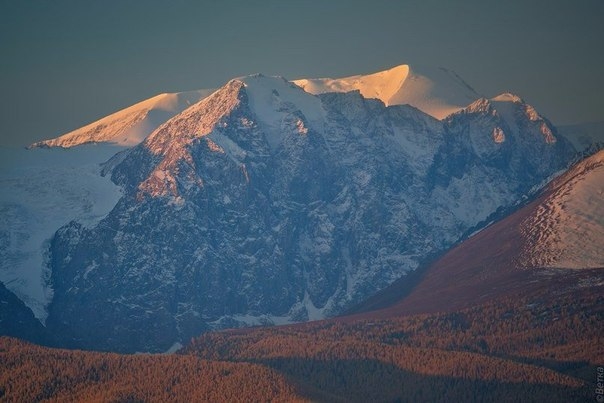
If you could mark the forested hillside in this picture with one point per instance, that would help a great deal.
(511, 350)
(29, 373)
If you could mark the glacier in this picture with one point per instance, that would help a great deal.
(42, 190)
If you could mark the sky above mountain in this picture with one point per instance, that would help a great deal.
(67, 63)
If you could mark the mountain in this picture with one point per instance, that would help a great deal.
(435, 91)
(129, 126)
(265, 204)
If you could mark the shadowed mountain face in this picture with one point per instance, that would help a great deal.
(264, 204)
(17, 320)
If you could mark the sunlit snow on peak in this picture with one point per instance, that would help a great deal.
(129, 126)
(508, 97)
(435, 91)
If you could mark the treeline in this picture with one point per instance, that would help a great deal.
(30, 373)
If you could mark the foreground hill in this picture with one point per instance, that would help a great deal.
(518, 349)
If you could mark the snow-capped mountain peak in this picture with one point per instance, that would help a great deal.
(382, 85)
(510, 114)
(508, 97)
(273, 103)
(247, 104)
(131, 125)
(278, 104)
(481, 105)
(435, 91)
(500, 101)
(196, 121)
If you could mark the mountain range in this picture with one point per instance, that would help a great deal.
(273, 202)
(436, 91)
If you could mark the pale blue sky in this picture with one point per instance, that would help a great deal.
(65, 63)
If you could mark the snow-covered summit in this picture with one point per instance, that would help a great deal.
(268, 94)
(382, 85)
(508, 97)
(244, 106)
(272, 101)
(487, 104)
(435, 91)
(510, 114)
(131, 125)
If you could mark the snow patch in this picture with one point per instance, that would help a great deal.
(508, 97)
(314, 313)
(174, 348)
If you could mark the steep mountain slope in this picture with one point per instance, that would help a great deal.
(546, 348)
(263, 204)
(17, 320)
(129, 126)
(435, 91)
